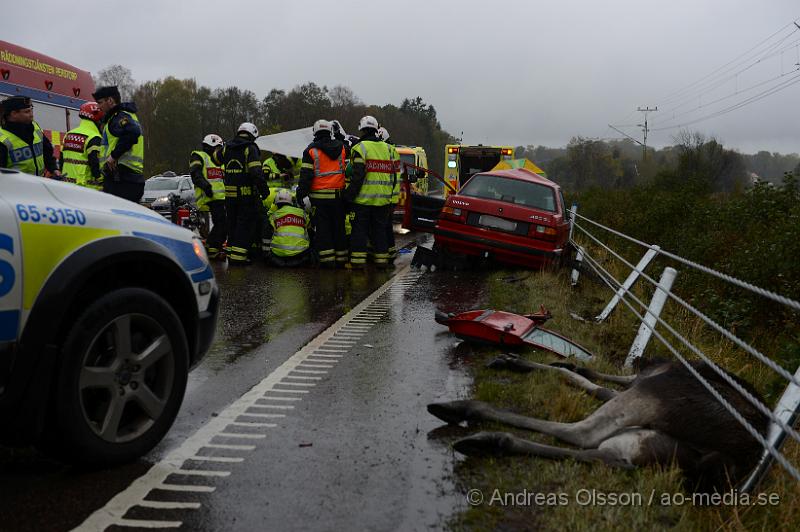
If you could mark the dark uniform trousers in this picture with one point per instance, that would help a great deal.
(124, 189)
(242, 212)
(330, 241)
(369, 226)
(219, 230)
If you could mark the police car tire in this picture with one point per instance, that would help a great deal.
(72, 437)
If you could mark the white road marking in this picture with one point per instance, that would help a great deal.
(307, 384)
(268, 398)
(169, 505)
(143, 523)
(318, 365)
(288, 391)
(303, 377)
(278, 407)
(264, 416)
(220, 459)
(242, 435)
(232, 446)
(180, 487)
(309, 372)
(202, 473)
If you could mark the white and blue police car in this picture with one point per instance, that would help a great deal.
(104, 308)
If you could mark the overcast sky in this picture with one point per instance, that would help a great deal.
(510, 72)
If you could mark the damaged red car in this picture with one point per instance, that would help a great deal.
(512, 216)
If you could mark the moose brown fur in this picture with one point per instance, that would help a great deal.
(663, 416)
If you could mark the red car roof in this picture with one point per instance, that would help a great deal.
(523, 174)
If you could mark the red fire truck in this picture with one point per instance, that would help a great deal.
(56, 88)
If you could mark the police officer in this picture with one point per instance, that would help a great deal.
(123, 145)
(290, 242)
(80, 150)
(383, 133)
(23, 145)
(209, 191)
(370, 192)
(245, 187)
(322, 180)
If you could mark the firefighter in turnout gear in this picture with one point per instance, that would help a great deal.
(245, 187)
(375, 171)
(23, 145)
(123, 146)
(80, 149)
(392, 249)
(322, 180)
(209, 192)
(290, 242)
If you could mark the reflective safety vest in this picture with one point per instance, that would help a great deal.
(272, 173)
(382, 169)
(215, 175)
(398, 176)
(76, 150)
(328, 174)
(133, 158)
(290, 237)
(28, 158)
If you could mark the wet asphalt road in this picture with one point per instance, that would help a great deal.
(356, 452)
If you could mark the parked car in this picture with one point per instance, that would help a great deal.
(513, 216)
(158, 188)
(104, 308)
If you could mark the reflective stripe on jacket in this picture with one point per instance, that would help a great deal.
(214, 174)
(28, 158)
(290, 237)
(75, 150)
(381, 172)
(133, 158)
(328, 173)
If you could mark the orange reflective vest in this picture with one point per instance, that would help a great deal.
(328, 173)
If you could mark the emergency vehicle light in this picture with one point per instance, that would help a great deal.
(506, 151)
(452, 150)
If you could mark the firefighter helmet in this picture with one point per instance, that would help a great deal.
(248, 127)
(368, 122)
(212, 140)
(91, 111)
(322, 125)
(283, 196)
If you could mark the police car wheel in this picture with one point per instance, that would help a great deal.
(123, 376)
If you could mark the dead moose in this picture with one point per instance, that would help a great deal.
(663, 416)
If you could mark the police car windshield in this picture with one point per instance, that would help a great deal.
(161, 184)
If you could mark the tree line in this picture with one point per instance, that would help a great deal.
(177, 113)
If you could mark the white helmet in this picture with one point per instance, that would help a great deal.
(322, 125)
(336, 126)
(283, 196)
(212, 140)
(248, 127)
(368, 122)
(383, 134)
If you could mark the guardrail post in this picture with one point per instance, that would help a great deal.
(576, 266)
(787, 411)
(572, 220)
(643, 263)
(649, 321)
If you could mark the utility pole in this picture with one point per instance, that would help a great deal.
(644, 129)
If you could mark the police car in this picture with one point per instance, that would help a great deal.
(104, 308)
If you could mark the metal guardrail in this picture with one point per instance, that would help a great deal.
(786, 411)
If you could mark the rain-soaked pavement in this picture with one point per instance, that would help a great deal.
(350, 446)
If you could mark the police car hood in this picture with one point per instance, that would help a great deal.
(93, 200)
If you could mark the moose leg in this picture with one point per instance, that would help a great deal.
(625, 380)
(519, 365)
(505, 444)
(625, 410)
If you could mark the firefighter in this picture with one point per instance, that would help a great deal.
(272, 173)
(80, 150)
(322, 180)
(23, 145)
(290, 242)
(245, 187)
(209, 191)
(370, 192)
(392, 249)
(123, 145)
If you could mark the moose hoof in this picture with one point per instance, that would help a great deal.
(484, 444)
(452, 412)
